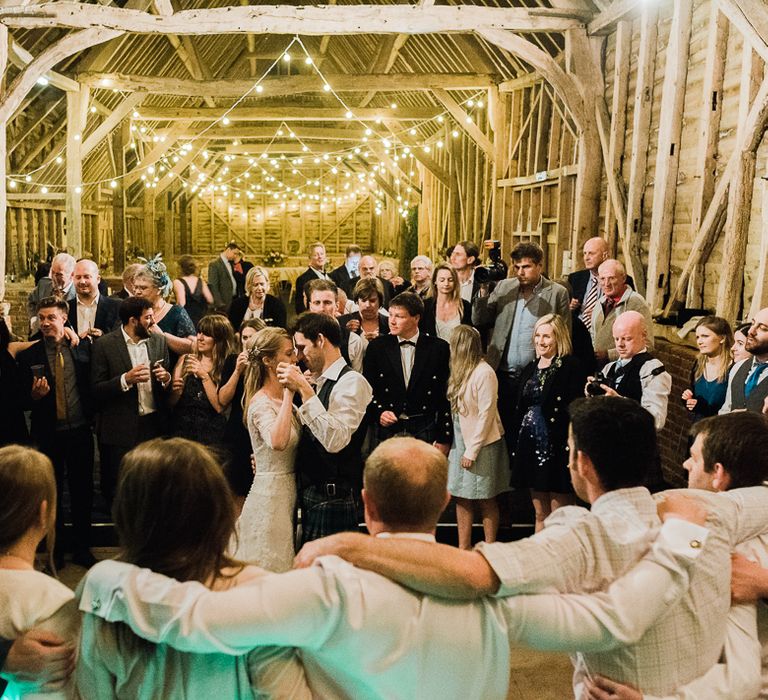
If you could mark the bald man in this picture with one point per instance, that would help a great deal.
(636, 374)
(616, 298)
(91, 314)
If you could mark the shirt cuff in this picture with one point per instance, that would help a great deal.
(311, 409)
(124, 384)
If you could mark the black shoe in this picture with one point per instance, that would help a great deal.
(84, 558)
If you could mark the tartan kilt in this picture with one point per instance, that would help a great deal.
(323, 515)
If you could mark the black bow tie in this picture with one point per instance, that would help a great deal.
(403, 343)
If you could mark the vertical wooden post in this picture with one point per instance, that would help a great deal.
(618, 118)
(641, 124)
(118, 199)
(77, 110)
(729, 293)
(760, 297)
(184, 241)
(3, 166)
(711, 111)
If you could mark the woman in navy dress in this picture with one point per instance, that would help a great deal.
(548, 385)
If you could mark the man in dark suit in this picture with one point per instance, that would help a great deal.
(221, 278)
(91, 313)
(129, 378)
(747, 388)
(369, 270)
(315, 271)
(408, 372)
(345, 276)
(464, 257)
(59, 399)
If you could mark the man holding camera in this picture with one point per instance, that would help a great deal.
(635, 374)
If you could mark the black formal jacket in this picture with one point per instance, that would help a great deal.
(427, 388)
(107, 314)
(355, 316)
(274, 313)
(428, 322)
(44, 409)
(117, 420)
(343, 280)
(301, 281)
(562, 387)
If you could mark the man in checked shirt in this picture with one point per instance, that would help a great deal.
(612, 443)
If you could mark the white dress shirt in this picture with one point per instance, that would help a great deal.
(356, 347)
(582, 550)
(466, 287)
(86, 314)
(408, 355)
(726, 407)
(139, 355)
(346, 407)
(363, 636)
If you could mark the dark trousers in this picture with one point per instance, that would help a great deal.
(507, 402)
(111, 456)
(71, 452)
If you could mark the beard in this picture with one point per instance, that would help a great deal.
(755, 347)
(142, 331)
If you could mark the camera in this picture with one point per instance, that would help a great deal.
(593, 385)
(495, 270)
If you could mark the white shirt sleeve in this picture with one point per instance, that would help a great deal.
(356, 351)
(299, 608)
(346, 410)
(656, 388)
(604, 620)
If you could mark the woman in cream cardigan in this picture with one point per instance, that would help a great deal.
(478, 464)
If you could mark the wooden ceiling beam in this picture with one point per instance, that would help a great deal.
(465, 122)
(614, 13)
(153, 156)
(749, 18)
(291, 19)
(290, 84)
(111, 122)
(385, 58)
(287, 113)
(305, 133)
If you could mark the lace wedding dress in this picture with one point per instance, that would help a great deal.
(265, 528)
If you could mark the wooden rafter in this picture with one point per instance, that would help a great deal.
(290, 19)
(111, 122)
(465, 121)
(614, 13)
(286, 113)
(288, 84)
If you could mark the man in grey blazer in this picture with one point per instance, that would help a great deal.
(129, 378)
(221, 278)
(513, 308)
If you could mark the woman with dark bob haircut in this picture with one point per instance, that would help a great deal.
(174, 514)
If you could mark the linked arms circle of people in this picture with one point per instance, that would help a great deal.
(459, 386)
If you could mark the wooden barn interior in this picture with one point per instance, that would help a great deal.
(174, 126)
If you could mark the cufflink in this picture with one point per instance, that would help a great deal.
(695, 544)
(95, 604)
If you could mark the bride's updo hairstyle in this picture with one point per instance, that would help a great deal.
(174, 512)
(266, 344)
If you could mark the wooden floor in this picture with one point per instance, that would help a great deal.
(535, 675)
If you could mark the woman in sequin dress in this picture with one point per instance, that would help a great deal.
(548, 385)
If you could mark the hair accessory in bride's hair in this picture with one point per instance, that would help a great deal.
(156, 267)
(254, 353)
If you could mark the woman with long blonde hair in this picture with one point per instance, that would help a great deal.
(478, 463)
(709, 374)
(28, 598)
(197, 412)
(174, 514)
(266, 524)
(547, 387)
(444, 309)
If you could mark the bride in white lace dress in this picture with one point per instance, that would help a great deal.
(265, 528)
